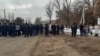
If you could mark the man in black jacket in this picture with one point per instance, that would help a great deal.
(74, 29)
(46, 30)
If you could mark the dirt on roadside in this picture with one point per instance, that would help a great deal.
(54, 46)
(85, 45)
(61, 45)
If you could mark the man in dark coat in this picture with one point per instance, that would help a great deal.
(62, 28)
(33, 30)
(0, 29)
(46, 30)
(30, 29)
(13, 28)
(37, 29)
(58, 28)
(26, 30)
(4, 29)
(81, 30)
(9, 29)
(41, 29)
(53, 29)
(74, 29)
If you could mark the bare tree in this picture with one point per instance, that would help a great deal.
(57, 4)
(94, 4)
(77, 10)
(98, 8)
(89, 11)
(49, 10)
(91, 4)
(63, 9)
(67, 8)
(87, 2)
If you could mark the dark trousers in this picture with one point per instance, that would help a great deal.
(73, 33)
(18, 33)
(46, 33)
(82, 33)
(4, 33)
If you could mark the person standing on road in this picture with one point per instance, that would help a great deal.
(4, 29)
(41, 29)
(53, 29)
(62, 28)
(34, 30)
(74, 29)
(18, 33)
(30, 29)
(81, 30)
(0, 29)
(46, 30)
(37, 29)
(58, 28)
(26, 30)
(87, 30)
(12, 29)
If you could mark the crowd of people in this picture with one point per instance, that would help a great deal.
(27, 30)
(84, 29)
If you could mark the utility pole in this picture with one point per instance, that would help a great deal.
(82, 21)
(83, 16)
(5, 14)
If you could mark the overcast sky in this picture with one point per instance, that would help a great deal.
(25, 8)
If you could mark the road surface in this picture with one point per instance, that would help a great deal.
(36, 46)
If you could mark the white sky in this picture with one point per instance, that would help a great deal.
(25, 8)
